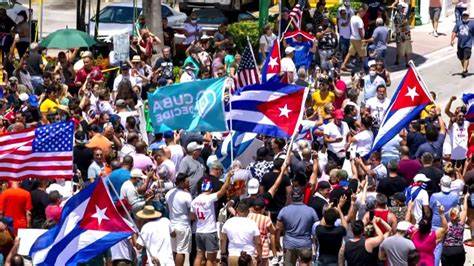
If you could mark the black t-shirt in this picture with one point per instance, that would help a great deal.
(6, 24)
(317, 203)
(435, 175)
(82, 159)
(39, 200)
(337, 193)
(391, 185)
(279, 199)
(414, 140)
(330, 241)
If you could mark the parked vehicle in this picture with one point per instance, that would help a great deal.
(117, 18)
(227, 5)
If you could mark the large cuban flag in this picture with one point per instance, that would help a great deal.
(271, 109)
(89, 225)
(410, 98)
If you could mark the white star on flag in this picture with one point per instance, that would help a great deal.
(100, 214)
(284, 111)
(273, 62)
(412, 93)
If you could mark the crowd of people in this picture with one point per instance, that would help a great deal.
(325, 200)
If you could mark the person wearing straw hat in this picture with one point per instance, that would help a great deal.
(155, 235)
(188, 73)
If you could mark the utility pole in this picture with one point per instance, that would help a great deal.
(152, 13)
(97, 11)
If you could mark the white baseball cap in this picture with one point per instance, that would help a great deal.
(289, 50)
(252, 186)
(421, 178)
(445, 184)
(403, 226)
(193, 146)
(23, 97)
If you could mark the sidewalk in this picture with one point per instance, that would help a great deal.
(423, 43)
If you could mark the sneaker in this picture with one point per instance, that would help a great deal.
(435, 34)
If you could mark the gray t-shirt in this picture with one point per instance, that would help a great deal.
(380, 37)
(194, 169)
(397, 249)
(298, 220)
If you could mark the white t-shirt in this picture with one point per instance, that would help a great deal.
(120, 77)
(240, 231)
(422, 199)
(203, 207)
(333, 131)
(157, 237)
(65, 188)
(377, 108)
(179, 204)
(287, 65)
(129, 192)
(124, 115)
(356, 24)
(370, 86)
(267, 42)
(123, 250)
(364, 140)
(345, 31)
(459, 139)
(177, 154)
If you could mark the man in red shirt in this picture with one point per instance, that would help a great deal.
(15, 203)
(89, 70)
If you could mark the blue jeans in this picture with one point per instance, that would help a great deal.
(344, 46)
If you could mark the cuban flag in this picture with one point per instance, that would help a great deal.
(306, 129)
(410, 98)
(89, 225)
(272, 65)
(271, 109)
(242, 144)
(468, 99)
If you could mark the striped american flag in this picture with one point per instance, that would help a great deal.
(296, 15)
(247, 73)
(43, 152)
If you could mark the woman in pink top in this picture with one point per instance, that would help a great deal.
(425, 239)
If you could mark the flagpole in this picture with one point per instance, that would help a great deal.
(129, 216)
(287, 27)
(253, 56)
(231, 131)
(425, 87)
(279, 21)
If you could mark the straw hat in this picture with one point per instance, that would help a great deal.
(148, 212)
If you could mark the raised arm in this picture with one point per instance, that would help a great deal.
(444, 225)
(447, 109)
(224, 187)
(463, 214)
(279, 179)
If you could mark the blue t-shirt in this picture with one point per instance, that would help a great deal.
(380, 37)
(465, 32)
(117, 178)
(448, 200)
(298, 220)
(302, 53)
(435, 148)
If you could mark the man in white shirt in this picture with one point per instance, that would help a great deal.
(124, 75)
(131, 192)
(357, 35)
(204, 213)
(176, 150)
(188, 74)
(335, 137)
(376, 169)
(242, 234)
(378, 105)
(418, 194)
(156, 236)
(288, 66)
(343, 26)
(458, 137)
(371, 82)
(179, 204)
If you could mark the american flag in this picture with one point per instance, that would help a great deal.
(296, 14)
(247, 73)
(43, 152)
